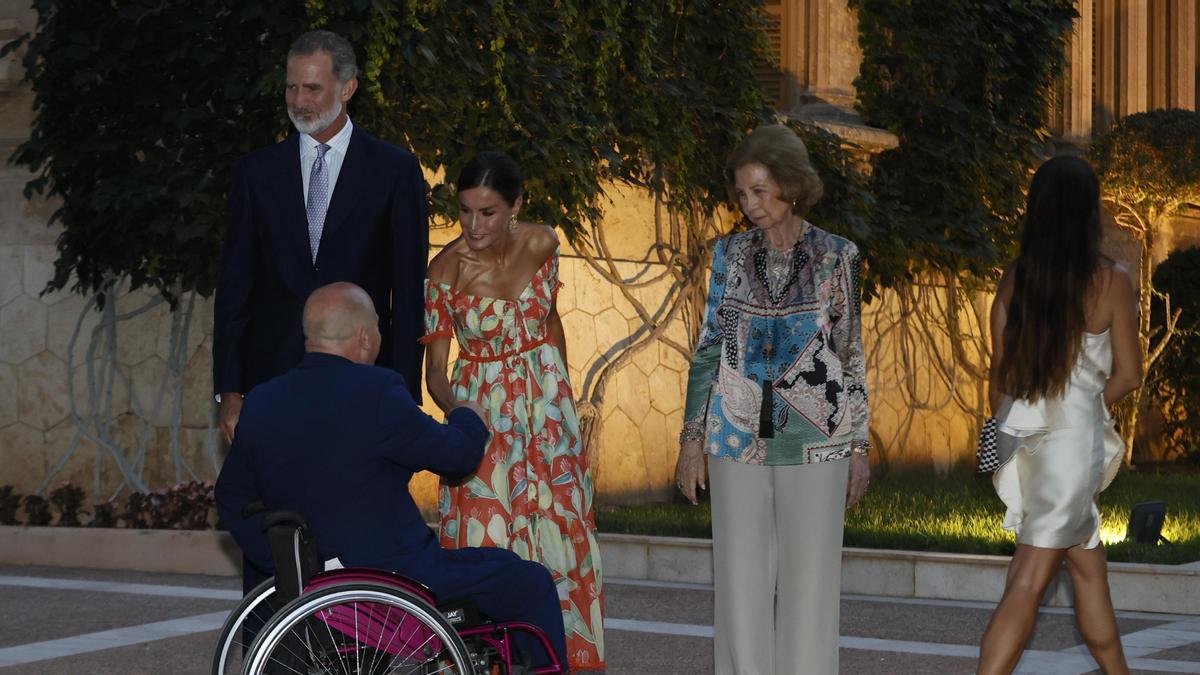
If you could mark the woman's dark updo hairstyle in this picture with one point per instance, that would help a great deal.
(495, 171)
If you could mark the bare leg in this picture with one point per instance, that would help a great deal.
(1030, 572)
(1093, 608)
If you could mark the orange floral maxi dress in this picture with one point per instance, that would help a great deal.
(532, 493)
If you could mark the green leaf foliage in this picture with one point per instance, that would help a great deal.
(1175, 377)
(965, 85)
(847, 206)
(143, 106)
(580, 93)
(1150, 160)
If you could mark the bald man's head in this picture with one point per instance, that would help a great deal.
(340, 319)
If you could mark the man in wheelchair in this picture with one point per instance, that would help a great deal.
(337, 440)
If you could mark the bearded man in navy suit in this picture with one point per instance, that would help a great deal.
(329, 203)
(337, 441)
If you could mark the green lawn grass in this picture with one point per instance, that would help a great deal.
(958, 514)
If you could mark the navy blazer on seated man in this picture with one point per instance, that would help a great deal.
(338, 442)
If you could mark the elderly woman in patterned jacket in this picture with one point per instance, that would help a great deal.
(777, 399)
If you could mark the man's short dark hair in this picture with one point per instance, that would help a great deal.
(345, 66)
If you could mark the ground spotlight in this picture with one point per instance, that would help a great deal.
(1146, 522)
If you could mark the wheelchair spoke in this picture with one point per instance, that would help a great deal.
(275, 662)
(385, 650)
(333, 641)
(310, 656)
(397, 630)
(382, 653)
(236, 639)
(238, 633)
(310, 637)
(363, 629)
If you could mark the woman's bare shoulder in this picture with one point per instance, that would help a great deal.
(1118, 281)
(540, 240)
(444, 266)
(1008, 280)
(537, 233)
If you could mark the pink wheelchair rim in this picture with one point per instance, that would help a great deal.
(379, 626)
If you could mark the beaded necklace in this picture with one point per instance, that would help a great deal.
(777, 271)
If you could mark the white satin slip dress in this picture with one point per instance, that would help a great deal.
(1057, 455)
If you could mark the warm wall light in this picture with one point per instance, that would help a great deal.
(1146, 522)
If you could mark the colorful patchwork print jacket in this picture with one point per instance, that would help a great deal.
(780, 380)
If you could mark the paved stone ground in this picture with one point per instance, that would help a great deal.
(55, 621)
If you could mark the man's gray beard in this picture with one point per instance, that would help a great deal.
(318, 125)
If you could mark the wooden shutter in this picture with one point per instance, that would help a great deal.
(768, 73)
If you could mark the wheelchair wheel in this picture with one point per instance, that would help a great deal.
(359, 629)
(240, 629)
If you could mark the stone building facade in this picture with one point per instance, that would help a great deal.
(1127, 56)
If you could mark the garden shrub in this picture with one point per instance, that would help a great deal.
(136, 513)
(37, 510)
(68, 500)
(10, 503)
(104, 514)
(1174, 380)
(1149, 169)
(187, 506)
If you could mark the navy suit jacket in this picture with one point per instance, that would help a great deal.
(376, 235)
(338, 442)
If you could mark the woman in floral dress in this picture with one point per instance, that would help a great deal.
(493, 290)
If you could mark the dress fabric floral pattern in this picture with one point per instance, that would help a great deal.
(532, 493)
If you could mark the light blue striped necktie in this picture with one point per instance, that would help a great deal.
(318, 200)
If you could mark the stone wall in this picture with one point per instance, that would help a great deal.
(40, 371)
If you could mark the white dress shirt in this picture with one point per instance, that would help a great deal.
(334, 156)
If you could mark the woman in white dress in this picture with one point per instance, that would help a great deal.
(1064, 348)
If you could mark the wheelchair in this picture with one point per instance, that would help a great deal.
(358, 621)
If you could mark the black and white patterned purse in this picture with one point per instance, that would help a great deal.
(985, 454)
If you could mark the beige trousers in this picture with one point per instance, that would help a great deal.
(777, 566)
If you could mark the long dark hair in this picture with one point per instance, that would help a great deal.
(1059, 258)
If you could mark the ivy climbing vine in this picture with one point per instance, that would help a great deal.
(965, 86)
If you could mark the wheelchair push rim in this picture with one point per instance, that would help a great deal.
(231, 649)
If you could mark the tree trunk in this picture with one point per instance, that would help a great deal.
(1128, 415)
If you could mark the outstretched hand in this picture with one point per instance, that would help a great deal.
(689, 470)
